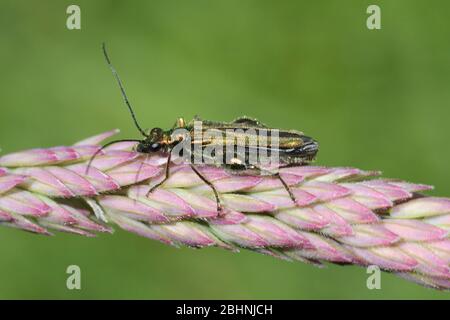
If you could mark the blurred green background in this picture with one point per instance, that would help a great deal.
(374, 99)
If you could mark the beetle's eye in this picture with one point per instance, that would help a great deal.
(155, 147)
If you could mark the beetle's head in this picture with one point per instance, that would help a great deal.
(153, 142)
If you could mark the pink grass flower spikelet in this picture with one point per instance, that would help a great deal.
(342, 215)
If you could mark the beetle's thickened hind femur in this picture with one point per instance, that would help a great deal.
(342, 215)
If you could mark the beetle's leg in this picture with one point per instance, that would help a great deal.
(216, 194)
(166, 176)
(140, 168)
(242, 169)
(286, 186)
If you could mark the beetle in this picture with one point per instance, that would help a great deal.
(234, 143)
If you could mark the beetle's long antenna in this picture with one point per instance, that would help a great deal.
(124, 95)
(105, 146)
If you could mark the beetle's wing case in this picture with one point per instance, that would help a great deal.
(242, 122)
(215, 136)
(253, 137)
